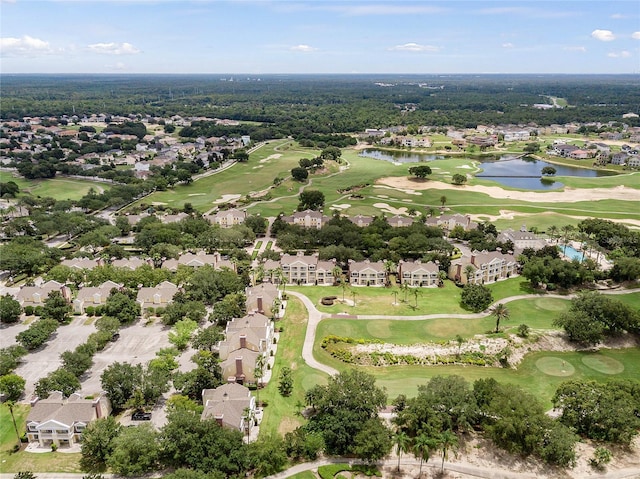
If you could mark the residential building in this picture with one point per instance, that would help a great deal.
(263, 297)
(227, 218)
(307, 219)
(157, 297)
(36, 295)
(398, 221)
(366, 273)
(60, 421)
(301, 269)
(417, 273)
(485, 267)
(93, 296)
(521, 239)
(231, 405)
(619, 158)
(193, 260)
(361, 221)
(256, 328)
(239, 366)
(82, 263)
(132, 263)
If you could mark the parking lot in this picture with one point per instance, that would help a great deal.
(38, 364)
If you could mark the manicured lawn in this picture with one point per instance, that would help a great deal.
(537, 313)
(280, 414)
(57, 188)
(304, 475)
(379, 301)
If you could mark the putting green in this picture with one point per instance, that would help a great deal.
(603, 364)
(379, 329)
(553, 366)
(550, 304)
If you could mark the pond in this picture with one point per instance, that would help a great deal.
(508, 170)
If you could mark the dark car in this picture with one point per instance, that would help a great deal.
(141, 416)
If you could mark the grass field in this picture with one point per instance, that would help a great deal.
(279, 415)
(57, 188)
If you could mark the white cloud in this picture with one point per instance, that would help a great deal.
(507, 45)
(303, 48)
(622, 54)
(113, 48)
(379, 9)
(415, 47)
(25, 46)
(635, 35)
(618, 16)
(603, 35)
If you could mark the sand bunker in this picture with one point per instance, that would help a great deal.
(226, 199)
(569, 195)
(272, 157)
(390, 209)
(343, 206)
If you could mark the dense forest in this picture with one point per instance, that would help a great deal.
(298, 105)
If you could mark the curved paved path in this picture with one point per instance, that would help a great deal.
(316, 316)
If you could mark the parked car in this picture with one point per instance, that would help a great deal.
(141, 416)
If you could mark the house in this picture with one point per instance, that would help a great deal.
(263, 297)
(417, 273)
(192, 260)
(132, 263)
(82, 263)
(257, 330)
(307, 219)
(93, 296)
(231, 405)
(521, 239)
(361, 220)
(562, 149)
(36, 295)
(398, 221)
(365, 273)
(228, 218)
(60, 421)
(240, 366)
(579, 154)
(157, 297)
(484, 267)
(448, 222)
(633, 162)
(619, 158)
(301, 269)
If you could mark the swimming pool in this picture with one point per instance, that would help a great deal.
(571, 252)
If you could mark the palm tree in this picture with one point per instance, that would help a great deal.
(405, 289)
(353, 294)
(336, 271)
(10, 405)
(501, 312)
(447, 440)
(469, 270)
(281, 278)
(415, 293)
(389, 267)
(422, 447)
(459, 340)
(343, 285)
(402, 443)
(566, 235)
(553, 232)
(258, 373)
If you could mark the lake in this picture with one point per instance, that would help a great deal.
(508, 170)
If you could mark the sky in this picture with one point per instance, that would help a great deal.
(321, 36)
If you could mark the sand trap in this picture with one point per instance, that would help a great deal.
(226, 199)
(465, 167)
(196, 194)
(391, 209)
(408, 191)
(272, 157)
(343, 206)
(569, 195)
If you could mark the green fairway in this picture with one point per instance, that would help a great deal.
(280, 414)
(57, 188)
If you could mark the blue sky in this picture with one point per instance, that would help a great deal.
(366, 36)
